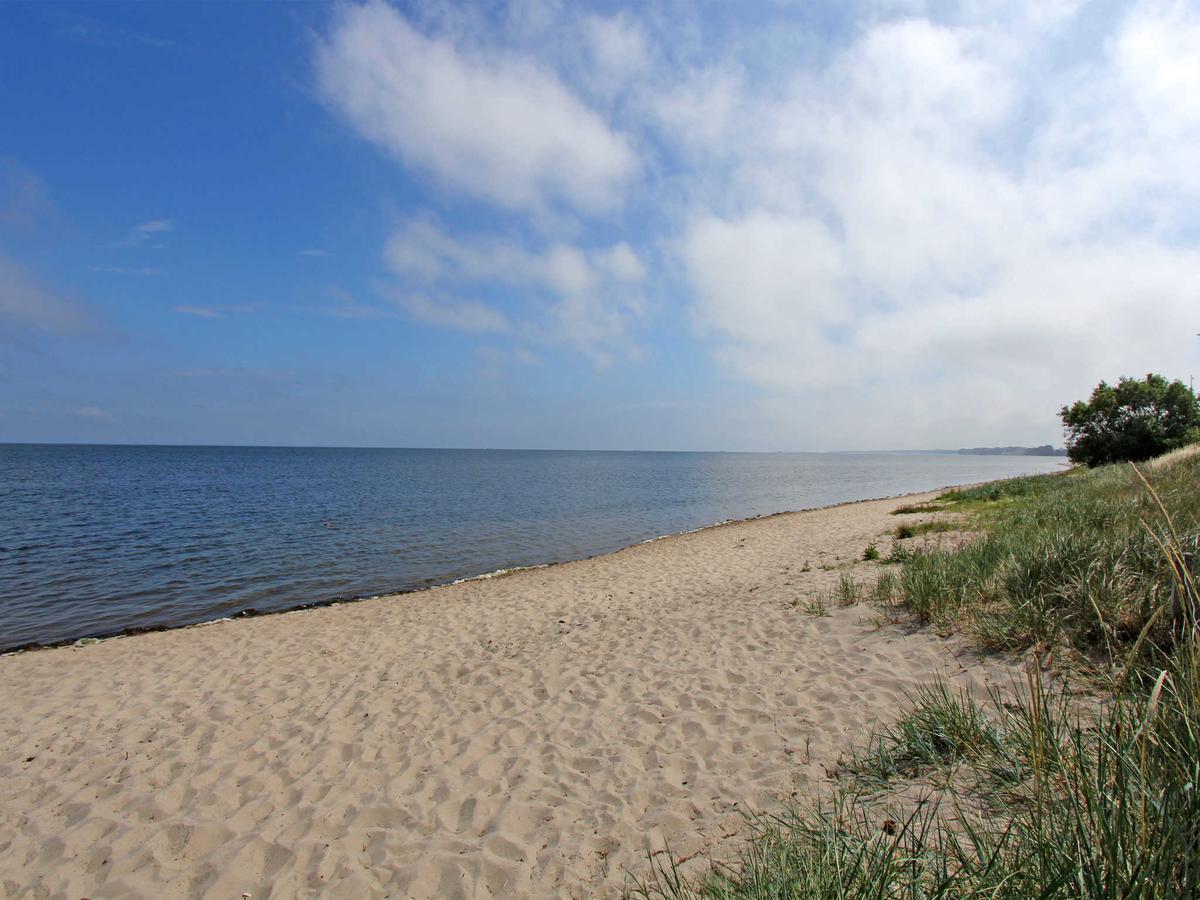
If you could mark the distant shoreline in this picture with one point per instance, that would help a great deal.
(982, 451)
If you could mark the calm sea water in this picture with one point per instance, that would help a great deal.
(94, 540)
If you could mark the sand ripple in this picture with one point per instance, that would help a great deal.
(536, 734)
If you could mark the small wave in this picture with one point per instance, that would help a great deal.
(500, 573)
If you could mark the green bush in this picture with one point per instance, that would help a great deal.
(1132, 421)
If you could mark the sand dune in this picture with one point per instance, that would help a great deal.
(536, 734)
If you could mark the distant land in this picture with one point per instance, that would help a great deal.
(1043, 450)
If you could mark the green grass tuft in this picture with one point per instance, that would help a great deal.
(816, 607)
(913, 529)
(914, 508)
(847, 592)
(886, 590)
(941, 728)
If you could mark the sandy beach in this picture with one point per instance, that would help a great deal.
(536, 734)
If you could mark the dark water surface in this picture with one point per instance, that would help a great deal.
(94, 540)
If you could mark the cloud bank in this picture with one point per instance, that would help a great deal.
(918, 228)
(949, 229)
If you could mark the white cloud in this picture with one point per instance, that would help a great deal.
(154, 226)
(696, 112)
(933, 226)
(1158, 54)
(145, 231)
(566, 270)
(926, 80)
(531, 19)
(949, 231)
(496, 126)
(27, 304)
(618, 50)
(621, 262)
(588, 299)
(788, 275)
(422, 248)
(446, 312)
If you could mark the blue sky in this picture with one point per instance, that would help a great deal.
(537, 224)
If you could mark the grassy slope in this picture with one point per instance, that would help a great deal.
(1039, 799)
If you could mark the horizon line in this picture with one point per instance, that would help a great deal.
(219, 446)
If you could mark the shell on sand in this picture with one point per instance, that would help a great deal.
(537, 734)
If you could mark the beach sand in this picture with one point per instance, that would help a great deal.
(537, 734)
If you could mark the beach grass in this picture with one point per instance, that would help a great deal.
(941, 727)
(847, 591)
(937, 526)
(1036, 791)
(915, 508)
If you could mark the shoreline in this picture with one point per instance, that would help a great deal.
(254, 613)
(541, 734)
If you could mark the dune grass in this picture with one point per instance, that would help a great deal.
(1044, 795)
(914, 508)
(1082, 561)
(937, 526)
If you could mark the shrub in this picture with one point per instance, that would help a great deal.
(1133, 420)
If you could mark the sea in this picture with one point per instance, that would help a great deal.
(99, 540)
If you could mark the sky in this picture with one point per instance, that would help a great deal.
(663, 226)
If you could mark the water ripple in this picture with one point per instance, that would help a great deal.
(95, 540)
